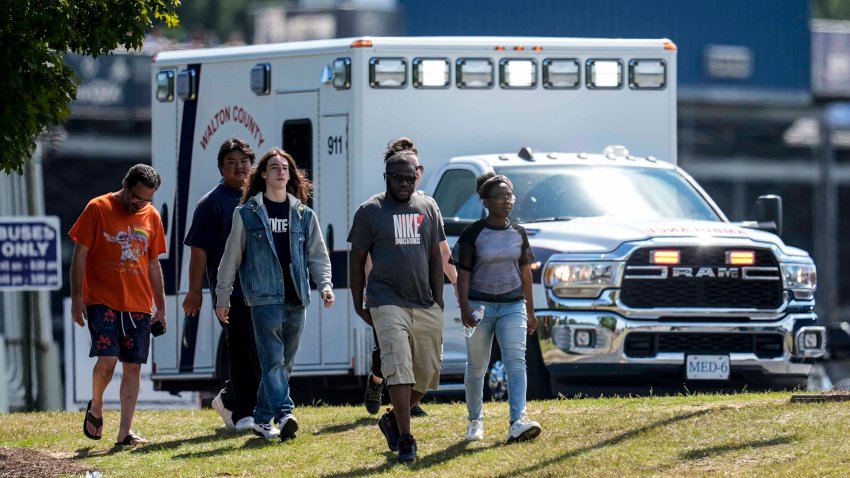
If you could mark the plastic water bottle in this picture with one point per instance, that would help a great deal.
(477, 315)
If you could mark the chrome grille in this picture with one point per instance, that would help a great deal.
(641, 344)
(649, 286)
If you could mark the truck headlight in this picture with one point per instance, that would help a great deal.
(582, 279)
(802, 277)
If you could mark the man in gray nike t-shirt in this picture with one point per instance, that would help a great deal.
(402, 232)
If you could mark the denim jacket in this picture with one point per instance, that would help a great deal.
(250, 249)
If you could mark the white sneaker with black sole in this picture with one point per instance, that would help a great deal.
(266, 430)
(523, 429)
(288, 426)
(225, 414)
(245, 424)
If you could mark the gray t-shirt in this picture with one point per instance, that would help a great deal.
(399, 237)
(493, 256)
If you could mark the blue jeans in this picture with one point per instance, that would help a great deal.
(277, 329)
(509, 324)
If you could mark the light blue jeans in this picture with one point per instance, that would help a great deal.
(507, 321)
(277, 329)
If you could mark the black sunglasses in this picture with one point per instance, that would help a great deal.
(401, 178)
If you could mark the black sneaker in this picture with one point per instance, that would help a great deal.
(406, 449)
(416, 411)
(372, 398)
(389, 427)
(288, 425)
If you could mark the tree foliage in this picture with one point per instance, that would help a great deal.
(831, 9)
(36, 86)
(219, 17)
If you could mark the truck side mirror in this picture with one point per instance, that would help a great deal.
(769, 210)
(454, 226)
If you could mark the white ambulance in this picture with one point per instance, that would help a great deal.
(470, 104)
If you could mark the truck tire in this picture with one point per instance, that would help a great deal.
(539, 385)
(496, 377)
(496, 380)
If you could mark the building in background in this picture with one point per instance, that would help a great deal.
(276, 22)
(831, 89)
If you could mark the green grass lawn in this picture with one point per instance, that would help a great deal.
(696, 435)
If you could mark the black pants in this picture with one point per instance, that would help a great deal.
(240, 392)
(376, 357)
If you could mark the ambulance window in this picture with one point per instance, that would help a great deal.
(165, 85)
(458, 201)
(474, 73)
(647, 74)
(342, 73)
(298, 142)
(517, 74)
(387, 72)
(261, 79)
(431, 73)
(604, 74)
(187, 84)
(561, 73)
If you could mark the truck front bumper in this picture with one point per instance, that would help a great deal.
(591, 344)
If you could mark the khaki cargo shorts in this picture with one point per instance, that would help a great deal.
(411, 341)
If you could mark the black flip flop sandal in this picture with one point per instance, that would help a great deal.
(131, 440)
(93, 421)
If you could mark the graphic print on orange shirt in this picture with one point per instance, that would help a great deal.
(134, 246)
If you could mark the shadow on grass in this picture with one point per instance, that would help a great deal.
(88, 452)
(344, 427)
(453, 451)
(254, 443)
(531, 469)
(458, 449)
(719, 450)
(387, 465)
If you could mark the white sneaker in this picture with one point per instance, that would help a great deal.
(475, 430)
(226, 415)
(288, 426)
(266, 430)
(245, 424)
(523, 429)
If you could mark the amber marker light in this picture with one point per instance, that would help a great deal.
(664, 256)
(668, 45)
(361, 44)
(537, 48)
(740, 258)
(519, 48)
(500, 48)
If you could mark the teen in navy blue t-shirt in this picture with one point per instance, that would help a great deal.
(207, 236)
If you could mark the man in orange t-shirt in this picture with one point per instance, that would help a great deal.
(116, 279)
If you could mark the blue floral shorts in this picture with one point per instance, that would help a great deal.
(126, 335)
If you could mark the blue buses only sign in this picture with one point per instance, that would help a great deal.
(30, 258)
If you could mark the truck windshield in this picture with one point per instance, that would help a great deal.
(565, 192)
